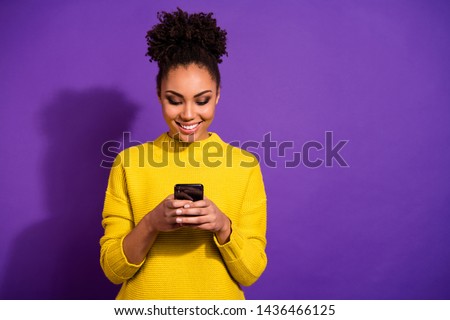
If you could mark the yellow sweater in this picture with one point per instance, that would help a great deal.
(186, 263)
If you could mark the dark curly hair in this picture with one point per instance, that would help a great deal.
(181, 39)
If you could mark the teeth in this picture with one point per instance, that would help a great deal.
(189, 127)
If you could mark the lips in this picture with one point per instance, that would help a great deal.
(188, 127)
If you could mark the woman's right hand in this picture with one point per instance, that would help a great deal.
(163, 217)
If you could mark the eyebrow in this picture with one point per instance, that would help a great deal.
(181, 96)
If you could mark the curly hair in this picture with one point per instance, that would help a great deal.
(181, 39)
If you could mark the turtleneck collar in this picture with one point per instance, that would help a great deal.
(172, 145)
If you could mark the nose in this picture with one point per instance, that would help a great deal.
(188, 112)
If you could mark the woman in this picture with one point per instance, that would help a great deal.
(158, 247)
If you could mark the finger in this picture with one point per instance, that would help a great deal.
(171, 215)
(203, 226)
(174, 204)
(197, 220)
(197, 204)
(191, 212)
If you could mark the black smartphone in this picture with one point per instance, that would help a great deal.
(188, 191)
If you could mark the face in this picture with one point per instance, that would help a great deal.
(188, 97)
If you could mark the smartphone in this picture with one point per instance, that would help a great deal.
(188, 191)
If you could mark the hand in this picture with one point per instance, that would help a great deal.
(204, 215)
(163, 217)
(138, 242)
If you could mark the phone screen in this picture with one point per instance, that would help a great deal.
(188, 191)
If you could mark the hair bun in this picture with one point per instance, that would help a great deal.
(182, 31)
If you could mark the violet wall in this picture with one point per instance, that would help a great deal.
(73, 75)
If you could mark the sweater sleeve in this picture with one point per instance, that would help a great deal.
(244, 254)
(117, 222)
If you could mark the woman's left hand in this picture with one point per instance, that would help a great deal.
(205, 215)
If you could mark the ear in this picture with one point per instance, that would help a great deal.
(218, 95)
(158, 94)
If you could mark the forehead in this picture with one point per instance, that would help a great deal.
(188, 79)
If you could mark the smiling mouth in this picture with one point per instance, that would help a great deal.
(189, 127)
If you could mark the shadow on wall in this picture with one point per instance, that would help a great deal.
(58, 258)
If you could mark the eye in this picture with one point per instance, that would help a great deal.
(173, 102)
(203, 102)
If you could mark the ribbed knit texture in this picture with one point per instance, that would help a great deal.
(186, 263)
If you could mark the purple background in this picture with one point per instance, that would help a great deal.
(377, 73)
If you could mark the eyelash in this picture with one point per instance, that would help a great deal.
(202, 103)
(176, 103)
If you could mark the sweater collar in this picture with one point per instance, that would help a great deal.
(171, 144)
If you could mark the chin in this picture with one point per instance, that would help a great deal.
(183, 137)
(187, 138)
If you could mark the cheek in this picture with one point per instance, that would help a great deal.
(168, 112)
(208, 113)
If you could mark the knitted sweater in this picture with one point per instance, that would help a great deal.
(186, 263)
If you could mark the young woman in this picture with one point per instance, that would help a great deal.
(158, 247)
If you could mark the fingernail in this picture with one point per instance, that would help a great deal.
(178, 211)
(187, 205)
(179, 220)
